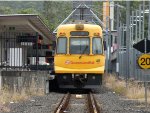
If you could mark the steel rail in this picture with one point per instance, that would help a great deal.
(63, 104)
(92, 104)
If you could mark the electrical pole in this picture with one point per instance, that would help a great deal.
(107, 43)
(127, 38)
(143, 30)
(117, 63)
(149, 23)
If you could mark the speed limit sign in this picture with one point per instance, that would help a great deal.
(144, 61)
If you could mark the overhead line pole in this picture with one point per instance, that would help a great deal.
(127, 39)
(149, 23)
(131, 38)
(109, 42)
(140, 22)
(143, 20)
(117, 63)
(136, 27)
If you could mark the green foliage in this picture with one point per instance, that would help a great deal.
(98, 9)
(52, 12)
(134, 6)
(56, 12)
(5, 10)
(19, 5)
(27, 11)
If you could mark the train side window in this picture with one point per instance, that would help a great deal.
(62, 45)
(97, 45)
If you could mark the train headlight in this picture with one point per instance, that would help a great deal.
(64, 77)
(93, 77)
(79, 26)
(96, 34)
(62, 34)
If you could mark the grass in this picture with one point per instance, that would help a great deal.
(133, 91)
(116, 85)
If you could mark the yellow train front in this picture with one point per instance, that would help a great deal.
(79, 61)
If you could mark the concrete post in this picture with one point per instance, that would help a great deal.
(47, 86)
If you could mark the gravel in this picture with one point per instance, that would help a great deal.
(109, 101)
(44, 104)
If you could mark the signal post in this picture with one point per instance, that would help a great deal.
(144, 61)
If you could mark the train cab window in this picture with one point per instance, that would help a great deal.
(79, 46)
(62, 45)
(97, 45)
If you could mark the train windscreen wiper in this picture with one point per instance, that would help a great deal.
(83, 51)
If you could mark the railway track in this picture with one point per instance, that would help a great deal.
(90, 103)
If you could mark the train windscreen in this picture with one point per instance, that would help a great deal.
(79, 45)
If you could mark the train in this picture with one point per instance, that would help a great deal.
(79, 60)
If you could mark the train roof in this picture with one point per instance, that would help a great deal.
(86, 26)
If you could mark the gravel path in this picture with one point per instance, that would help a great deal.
(45, 104)
(109, 101)
(113, 103)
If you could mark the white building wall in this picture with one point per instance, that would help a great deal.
(14, 56)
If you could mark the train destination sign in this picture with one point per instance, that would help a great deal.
(140, 46)
(144, 61)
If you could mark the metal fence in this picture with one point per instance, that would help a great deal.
(22, 51)
(138, 31)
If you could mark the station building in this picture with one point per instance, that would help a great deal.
(24, 40)
(26, 48)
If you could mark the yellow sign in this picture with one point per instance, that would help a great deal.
(144, 61)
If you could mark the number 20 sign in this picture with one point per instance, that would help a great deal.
(144, 61)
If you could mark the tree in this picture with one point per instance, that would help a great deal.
(27, 11)
(56, 15)
(5, 10)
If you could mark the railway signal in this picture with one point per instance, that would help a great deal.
(142, 46)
